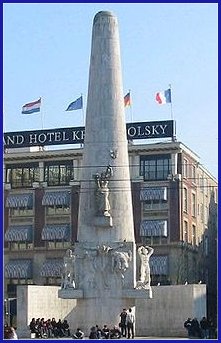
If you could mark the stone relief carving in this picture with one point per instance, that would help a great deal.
(144, 253)
(88, 278)
(102, 261)
(102, 191)
(120, 261)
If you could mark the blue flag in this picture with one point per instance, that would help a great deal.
(76, 105)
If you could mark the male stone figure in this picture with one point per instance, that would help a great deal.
(68, 278)
(145, 253)
(102, 191)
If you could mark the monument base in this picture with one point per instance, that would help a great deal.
(72, 293)
(185, 300)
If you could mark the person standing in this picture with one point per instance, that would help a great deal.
(130, 321)
(204, 325)
(188, 326)
(123, 325)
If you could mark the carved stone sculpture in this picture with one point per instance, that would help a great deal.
(102, 191)
(120, 261)
(68, 275)
(144, 253)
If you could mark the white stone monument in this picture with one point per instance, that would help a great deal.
(105, 254)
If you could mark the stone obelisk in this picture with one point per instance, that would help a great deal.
(105, 140)
(105, 254)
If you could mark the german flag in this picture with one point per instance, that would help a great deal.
(127, 100)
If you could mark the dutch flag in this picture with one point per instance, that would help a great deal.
(31, 107)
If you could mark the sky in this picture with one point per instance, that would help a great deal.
(46, 53)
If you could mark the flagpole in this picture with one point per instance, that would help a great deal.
(82, 108)
(42, 120)
(171, 110)
(131, 113)
(42, 116)
(171, 106)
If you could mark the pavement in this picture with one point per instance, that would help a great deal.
(135, 338)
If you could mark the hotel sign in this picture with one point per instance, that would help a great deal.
(75, 135)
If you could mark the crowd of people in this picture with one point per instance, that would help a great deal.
(204, 328)
(125, 328)
(49, 328)
(104, 333)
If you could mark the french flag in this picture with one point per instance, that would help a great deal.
(31, 107)
(163, 97)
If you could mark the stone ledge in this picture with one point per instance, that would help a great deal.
(73, 293)
(137, 293)
(70, 293)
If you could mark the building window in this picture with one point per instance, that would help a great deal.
(194, 235)
(154, 205)
(193, 173)
(21, 212)
(193, 203)
(55, 281)
(57, 244)
(59, 209)
(20, 245)
(202, 213)
(159, 267)
(185, 233)
(206, 186)
(22, 175)
(58, 173)
(146, 240)
(202, 184)
(21, 281)
(185, 200)
(216, 195)
(156, 167)
(185, 168)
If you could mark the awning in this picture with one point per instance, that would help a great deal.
(56, 232)
(18, 269)
(20, 200)
(23, 233)
(159, 265)
(150, 228)
(56, 198)
(153, 193)
(52, 268)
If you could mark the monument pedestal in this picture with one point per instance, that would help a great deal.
(126, 294)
